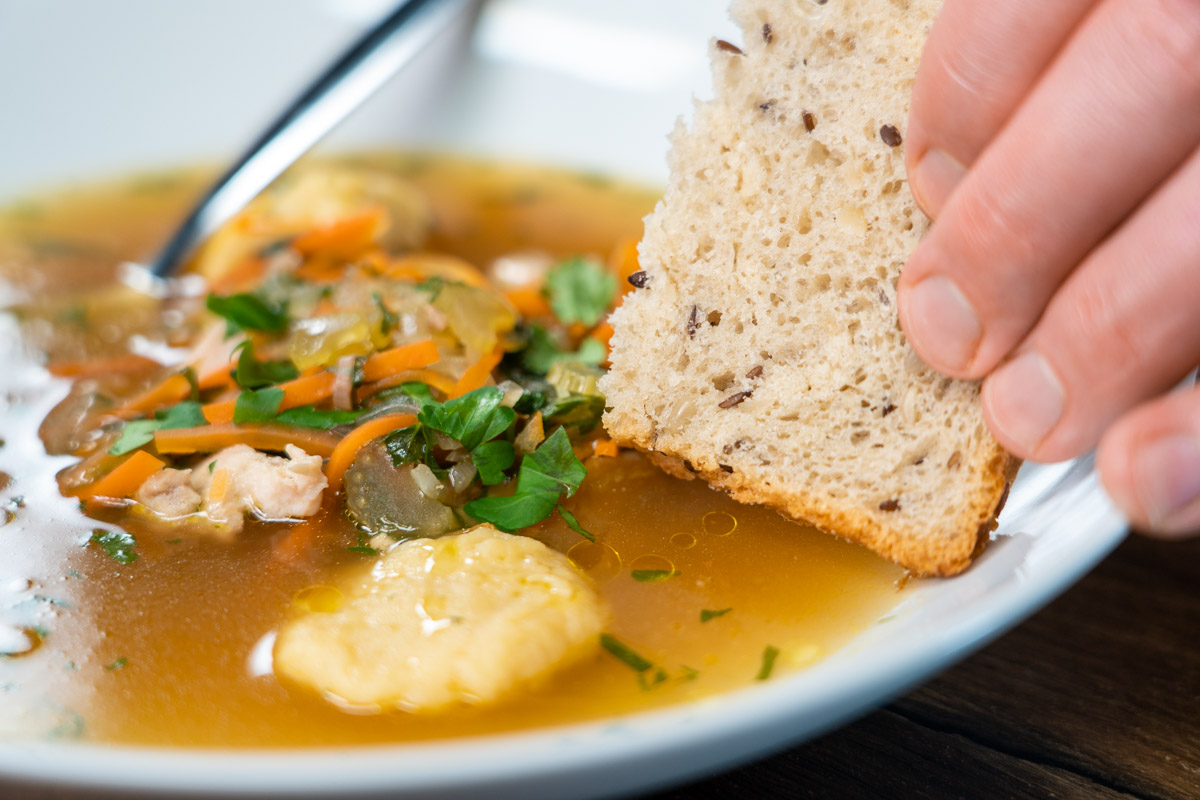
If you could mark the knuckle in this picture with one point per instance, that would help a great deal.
(987, 220)
(1109, 342)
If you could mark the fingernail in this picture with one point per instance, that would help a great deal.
(944, 328)
(1026, 400)
(936, 175)
(1166, 477)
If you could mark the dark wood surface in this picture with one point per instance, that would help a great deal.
(1097, 696)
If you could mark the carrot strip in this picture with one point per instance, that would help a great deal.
(218, 378)
(102, 366)
(172, 390)
(343, 455)
(421, 266)
(210, 438)
(244, 273)
(408, 356)
(345, 238)
(624, 262)
(125, 478)
(529, 301)
(477, 374)
(426, 376)
(602, 332)
(606, 448)
(299, 392)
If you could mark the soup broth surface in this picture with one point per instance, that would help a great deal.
(174, 648)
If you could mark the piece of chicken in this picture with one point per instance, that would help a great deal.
(237, 480)
(464, 619)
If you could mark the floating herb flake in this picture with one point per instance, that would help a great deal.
(712, 613)
(574, 525)
(624, 653)
(117, 545)
(768, 663)
(119, 664)
(652, 575)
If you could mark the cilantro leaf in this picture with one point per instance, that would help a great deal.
(311, 417)
(491, 459)
(580, 290)
(254, 374)
(249, 312)
(419, 392)
(117, 545)
(411, 445)
(580, 410)
(545, 474)
(543, 350)
(141, 431)
(260, 406)
(574, 525)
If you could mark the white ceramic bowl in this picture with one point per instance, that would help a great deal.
(106, 88)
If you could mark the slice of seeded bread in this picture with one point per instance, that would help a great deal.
(762, 352)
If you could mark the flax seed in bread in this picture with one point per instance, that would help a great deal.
(763, 352)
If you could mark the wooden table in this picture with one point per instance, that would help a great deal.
(1097, 696)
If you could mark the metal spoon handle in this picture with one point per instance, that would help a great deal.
(354, 77)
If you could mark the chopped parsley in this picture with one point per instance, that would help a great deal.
(652, 575)
(624, 653)
(544, 476)
(257, 406)
(768, 663)
(710, 613)
(311, 417)
(119, 664)
(543, 351)
(249, 312)
(580, 290)
(141, 431)
(117, 545)
(254, 374)
(574, 525)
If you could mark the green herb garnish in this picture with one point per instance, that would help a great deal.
(411, 445)
(260, 406)
(117, 545)
(543, 350)
(141, 431)
(574, 525)
(768, 663)
(116, 665)
(312, 417)
(249, 312)
(545, 475)
(580, 290)
(652, 575)
(624, 653)
(472, 419)
(254, 374)
(492, 459)
(710, 613)
(364, 550)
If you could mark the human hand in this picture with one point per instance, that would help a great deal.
(1057, 146)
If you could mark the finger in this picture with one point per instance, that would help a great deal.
(1120, 330)
(980, 59)
(1115, 115)
(1150, 464)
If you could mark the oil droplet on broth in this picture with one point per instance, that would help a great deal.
(718, 523)
(598, 560)
(318, 599)
(684, 541)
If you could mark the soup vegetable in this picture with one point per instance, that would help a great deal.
(353, 462)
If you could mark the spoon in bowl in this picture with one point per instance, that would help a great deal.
(378, 55)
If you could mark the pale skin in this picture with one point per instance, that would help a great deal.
(1056, 144)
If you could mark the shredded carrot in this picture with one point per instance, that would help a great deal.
(477, 374)
(245, 273)
(606, 448)
(211, 438)
(124, 480)
(343, 455)
(426, 376)
(529, 301)
(345, 238)
(298, 392)
(624, 262)
(172, 390)
(219, 486)
(217, 379)
(602, 332)
(102, 366)
(421, 266)
(408, 356)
